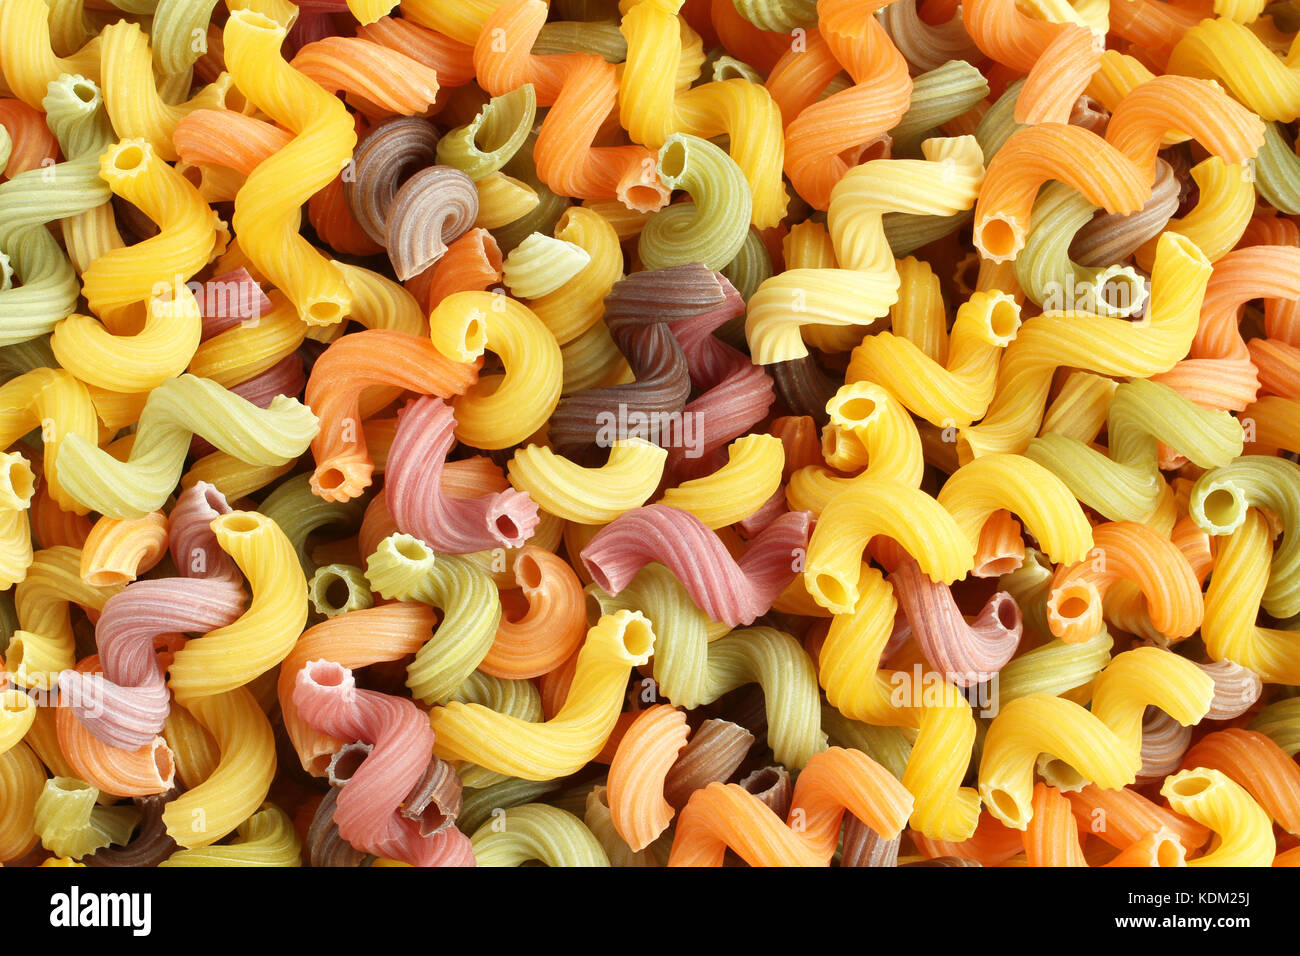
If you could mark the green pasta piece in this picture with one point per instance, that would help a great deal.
(778, 16)
(602, 38)
(751, 266)
(71, 824)
(691, 671)
(1054, 668)
(23, 357)
(573, 798)
(175, 411)
(1056, 282)
(494, 136)
(1277, 171)
(404, 569)
(907, 232)
(937, 96)
(778, 663)
(1280, 722)
(324, 586)
(518, 698)
(542, 217)
(180, 29)
(999, 123)
(600, 822)
(478, 804)
(535, 831)
(299, 513)
(586, 9)
(6, 148)
(1218, 505)
(681, 659)
(712, 227)
(8, 618)
(49, 286)
(1126, 485)
(888, 746)
(729, 68)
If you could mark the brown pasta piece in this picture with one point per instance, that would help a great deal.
(150, 845)
(323, 845)
(1236, 688)
(863, 846)
(345, 762)
(435, 801)
(1109, 238)
(713, 753)
(434, 207)
(637, 312)
(387, 157)
(805, 387)
(772, 786)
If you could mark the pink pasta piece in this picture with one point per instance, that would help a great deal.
(966, 654)
(193, 546)
(228, 300)
(425, 434)
(734, 393)
(125, 706)
(367, 816)
(734, 592)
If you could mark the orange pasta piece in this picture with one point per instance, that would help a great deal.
(117, 551)
(1052, 837)
(1059, 76)
(723, 816)
(451, 60)
(1153, 26)
(1267, 228)
(472, 263)
(1258, 764)
(349, 366)
(554, 687)
(553, 627)
(645, 754)
(1187, 106)
(801, 76)
(991, 844)
(1126, 551)
(123, 773)
(332, 218)
(32, 141)
(380, 79)
(1289, 857)
(761, 49)
(829, 137)
(53, 527)
(1218, 371)
(1123, 817)
(227, 138)
(1035, 154)
(798, 434)
(1278, 365)
(1160, 848)
(1001, 546)
(581, 89)
(1197, 546)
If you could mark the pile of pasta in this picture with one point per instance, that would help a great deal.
(768, 432)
